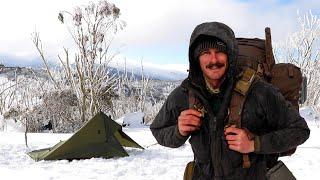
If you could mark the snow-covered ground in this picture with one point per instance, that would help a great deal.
(155, 162)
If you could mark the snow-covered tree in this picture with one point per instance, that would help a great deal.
(92, 28)
(131, 93)
(302, 48)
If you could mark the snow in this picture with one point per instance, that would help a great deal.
(134, 119)
(311, 117)
(155, 162)
(11, 125)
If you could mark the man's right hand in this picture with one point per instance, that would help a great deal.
(189, 121)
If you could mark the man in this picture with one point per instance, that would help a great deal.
(218, 149)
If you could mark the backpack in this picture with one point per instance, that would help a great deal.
(256, 61)
(257, 55)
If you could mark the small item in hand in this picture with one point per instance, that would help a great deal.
(200, 108)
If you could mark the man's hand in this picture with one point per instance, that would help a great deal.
(238, 140)
(189, 121)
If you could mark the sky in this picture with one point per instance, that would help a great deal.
(157, 32)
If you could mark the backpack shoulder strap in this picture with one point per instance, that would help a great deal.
(239, 95)
(192, 98)
(238, 98)
(194, 103)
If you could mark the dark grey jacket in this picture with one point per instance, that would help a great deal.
(266, 113)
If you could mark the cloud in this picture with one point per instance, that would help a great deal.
(19, 19)
(171, 22)
(156, 30)
(155, 25)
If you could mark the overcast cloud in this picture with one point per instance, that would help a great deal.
(157, 31)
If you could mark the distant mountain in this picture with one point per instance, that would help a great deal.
(156, 72)
(151, 73)
(19, 62)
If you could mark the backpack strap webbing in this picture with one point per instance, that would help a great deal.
(192, 98)
(237, 101)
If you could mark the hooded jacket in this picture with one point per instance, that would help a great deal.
(266, 113)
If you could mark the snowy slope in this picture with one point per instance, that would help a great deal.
(168, 72)
(155, 162)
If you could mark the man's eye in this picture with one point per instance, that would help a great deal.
(205, 52)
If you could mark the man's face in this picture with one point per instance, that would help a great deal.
(213, 64)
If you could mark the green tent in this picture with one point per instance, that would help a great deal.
(99, 137)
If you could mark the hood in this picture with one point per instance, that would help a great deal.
(214, 30)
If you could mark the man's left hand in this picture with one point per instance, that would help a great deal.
(238, 140)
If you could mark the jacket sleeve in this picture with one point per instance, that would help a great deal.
(288, 128)
(164, 127)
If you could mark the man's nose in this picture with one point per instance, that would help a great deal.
(213, 56)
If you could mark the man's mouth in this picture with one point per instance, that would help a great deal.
(215, 66)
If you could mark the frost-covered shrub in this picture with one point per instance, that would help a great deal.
(58, 108)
